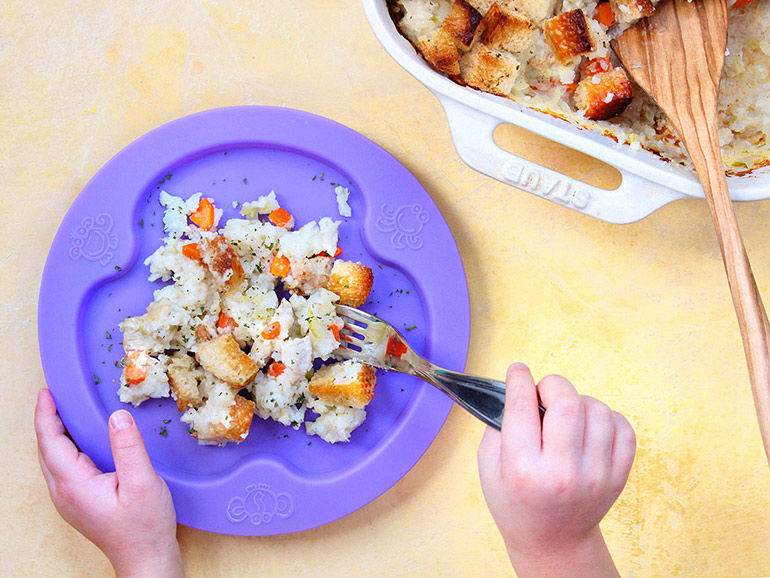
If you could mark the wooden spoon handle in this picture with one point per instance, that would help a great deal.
(752, 318)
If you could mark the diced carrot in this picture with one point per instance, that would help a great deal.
(191, 251)
(226, 322)
(396, 347)
(280, 217)
(338, 252)
(280, 266)
(136, 370)
(204, 215)
(604, 14)
(741, 3)
(202, 332)
(335, 331)
(276, 368)
(271, 330)
(596, 65)
(572, 87)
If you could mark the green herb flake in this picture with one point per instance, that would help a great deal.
(166, 421)
(107, 333)
(117, 268)
(411, 327)
(163, 431)
(97, 381)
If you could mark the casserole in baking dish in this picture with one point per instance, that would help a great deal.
(649, 181)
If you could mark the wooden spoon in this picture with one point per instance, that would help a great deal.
(676, 55)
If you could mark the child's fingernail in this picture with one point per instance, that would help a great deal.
(121, 419)
(518, 365)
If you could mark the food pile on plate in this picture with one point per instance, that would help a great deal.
(555, 56)
(249, 315)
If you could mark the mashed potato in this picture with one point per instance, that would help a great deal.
(222, 341)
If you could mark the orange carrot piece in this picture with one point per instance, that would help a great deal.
(191, 251)
(226, 322)
(204, 215)
(335, 331)
(271, 331)
(280, 266)
(276, 368)
(280, 217)
(395, 347)
(596, 65)
(338, 252)
(136, 370)
(741, 3)
(604, 14)
(202, 332)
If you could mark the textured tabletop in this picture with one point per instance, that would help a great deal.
(638, 315)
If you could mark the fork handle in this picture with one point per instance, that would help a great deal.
(482, 397)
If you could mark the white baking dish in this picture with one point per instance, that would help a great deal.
(648, 181)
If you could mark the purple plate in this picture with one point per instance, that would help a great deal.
(278, 480)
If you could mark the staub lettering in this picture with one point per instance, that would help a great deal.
(546, 185)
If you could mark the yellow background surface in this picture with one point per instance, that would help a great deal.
(637, 315)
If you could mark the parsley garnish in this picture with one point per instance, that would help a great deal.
(163, 431)
(97, 381)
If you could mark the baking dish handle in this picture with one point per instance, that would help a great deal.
(472, 132)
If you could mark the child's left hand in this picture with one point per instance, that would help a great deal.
(128, 513)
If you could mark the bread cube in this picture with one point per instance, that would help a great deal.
(223, 358)
(604, 95)
(352, 282)
(224, 264)
(441, 52)
(504, 29)
(569, 35)
(462, 23)
(627, 11)
(233, 428)
(489, 70)
(350, 383)
(183, 378)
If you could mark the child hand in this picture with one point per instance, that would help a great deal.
(128, 513)
(549, 485)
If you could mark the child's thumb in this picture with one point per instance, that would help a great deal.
(132, 464)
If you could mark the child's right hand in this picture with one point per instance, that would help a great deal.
(549, 485)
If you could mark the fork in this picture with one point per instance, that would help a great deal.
(371, 340)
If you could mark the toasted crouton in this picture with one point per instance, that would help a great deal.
(350, 383)
(569, 35)
(535, 10)
(627, 11)
(604, 95)
(223, 358)
(441, 52)
(503, 29)
(462, 23)
(224, 264)
(233, 429)
(352, 282)
(183, 381)
(489, 70)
